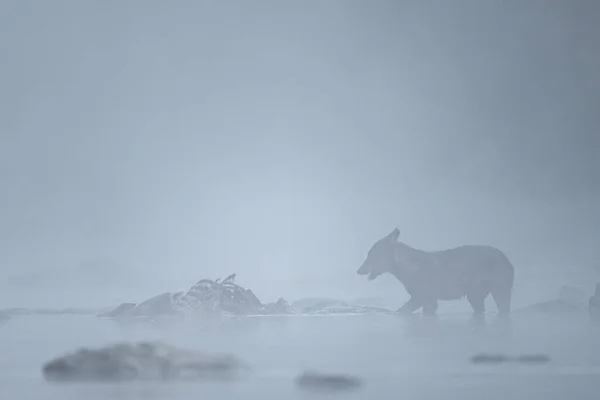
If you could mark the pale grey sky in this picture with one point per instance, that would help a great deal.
(147, 144)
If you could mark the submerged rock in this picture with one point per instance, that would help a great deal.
(147, 361)
(315, 381)
(533, 359)
(501, 359)
(489, 359)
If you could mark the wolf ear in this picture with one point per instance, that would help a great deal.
(394, 235)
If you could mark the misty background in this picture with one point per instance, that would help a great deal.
(145, 145)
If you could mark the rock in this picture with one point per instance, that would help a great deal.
(206, 298)
(489, 359)
(558, 306)
(213, 297)
(342, 309)
(278, 308)
(161, 305)
(326, 306)
(225, 298)
(376, 302)
(147, 361)
(123, 310)
(533, 359)
(500, 359)
(315, 381)
(238, 300)
(202, 298)
(571, 301)
(573, 295)
(311, 303)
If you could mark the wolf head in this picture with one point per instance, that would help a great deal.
(381, 258)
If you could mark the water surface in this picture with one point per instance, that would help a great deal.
(413, 358)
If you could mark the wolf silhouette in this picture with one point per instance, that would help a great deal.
(471, 271)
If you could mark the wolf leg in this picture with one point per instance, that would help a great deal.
(476, 297)
(502, 297)
(410, 306)
(430, 307)
(501, 286)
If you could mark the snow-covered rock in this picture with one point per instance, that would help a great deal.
(280, 307)
(121, 310)
(148, 361)
(216, 298)
(206, 297)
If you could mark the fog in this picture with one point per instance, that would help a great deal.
(145, 145)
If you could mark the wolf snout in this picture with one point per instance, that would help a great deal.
(362, 271)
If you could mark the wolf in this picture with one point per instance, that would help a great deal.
(471, 271)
